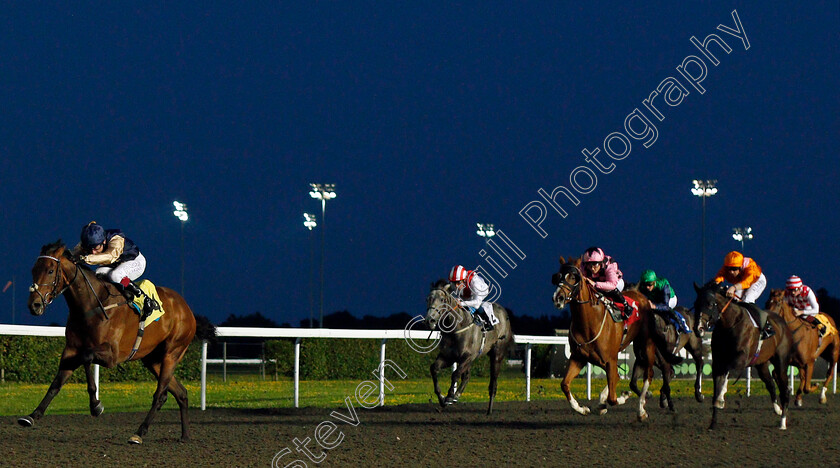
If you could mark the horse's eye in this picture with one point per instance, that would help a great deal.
(51, 271)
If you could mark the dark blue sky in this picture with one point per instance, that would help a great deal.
(428, 119)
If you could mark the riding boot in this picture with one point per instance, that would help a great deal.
(484, 319)
(131, 291)
(767, 331)
(679, 320)
(619, 298)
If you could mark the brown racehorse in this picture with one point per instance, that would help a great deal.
(806, 346)
(106, 336)
(595, 338)
(736, 346)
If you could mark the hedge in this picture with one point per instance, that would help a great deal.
(35, 360)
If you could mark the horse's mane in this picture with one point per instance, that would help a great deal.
(440, 284)
(68, 254)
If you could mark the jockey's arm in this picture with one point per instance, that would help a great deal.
(813, 307)
(480, 291)
(749, 275)
(108, 256)
(611, 280)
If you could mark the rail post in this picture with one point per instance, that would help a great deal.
(203, 375)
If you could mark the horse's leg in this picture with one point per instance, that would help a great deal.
(496, 359)
(69, 362)
(665, 392)
(809, 373)
(462, 374)
(635, 375)
(439, 363)
(781, 376)
(696, 350)
(179, 392)
(167, 368)
(720, 378)
(96, 407)
(764, 373)
(643, 415)
(832, 362)
(575, 364)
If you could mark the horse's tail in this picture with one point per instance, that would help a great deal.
(665, 348)
(204, 329)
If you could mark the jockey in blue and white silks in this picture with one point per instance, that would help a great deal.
(119, 259)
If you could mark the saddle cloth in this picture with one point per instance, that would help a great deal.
(149, 288)
(634, 316)
(829, 328)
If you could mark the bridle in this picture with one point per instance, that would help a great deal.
(51, 295)
(442, 295)
(570, 291)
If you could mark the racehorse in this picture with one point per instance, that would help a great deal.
(736, 345)
(595, 338)
(806, 346)
(102, 329)
(462, 341)
(666, 333)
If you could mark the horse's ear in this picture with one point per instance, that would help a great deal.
(562, 260)
(696, 288)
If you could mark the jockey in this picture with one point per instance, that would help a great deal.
(602, 273)
(471, 290)
(748, 282)
(662, 297)
(803, 301)
(120, 259)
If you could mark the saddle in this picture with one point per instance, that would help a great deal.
(759, 318)
(617, 312)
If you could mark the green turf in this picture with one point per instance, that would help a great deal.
(251, 392)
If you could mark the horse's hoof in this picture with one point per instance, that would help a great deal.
(643, 417)
(26, 421)
(135, 439)
(798, 403)
(602, 411)
(97, 410)
(823, 400)
(663, 402)
(699, 397)
(777, 409)
(712, 426)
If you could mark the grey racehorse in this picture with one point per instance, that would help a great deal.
(462, 341)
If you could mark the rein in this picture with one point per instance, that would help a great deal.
(576, 291)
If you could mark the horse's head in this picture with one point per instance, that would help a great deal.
(777, 304)
(568, 282)
(48, 278)
(439, 305)
(706, 307)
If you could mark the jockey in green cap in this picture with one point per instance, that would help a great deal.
(662, 297)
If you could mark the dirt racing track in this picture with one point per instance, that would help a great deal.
(545, 433)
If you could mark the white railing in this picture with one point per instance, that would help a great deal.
(300, 333)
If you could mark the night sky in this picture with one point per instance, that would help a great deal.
(428, 118)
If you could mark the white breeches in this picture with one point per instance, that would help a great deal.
(133, 269)
(753, 292)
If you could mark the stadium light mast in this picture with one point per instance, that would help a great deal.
(485, 230)
(322, 192)
(181, 213)
(741, 234)
(310, 223)
(704, 189)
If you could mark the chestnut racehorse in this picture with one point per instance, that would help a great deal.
(102, 329)
(595, 338)
(806, 346)
(736, 345)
